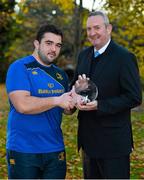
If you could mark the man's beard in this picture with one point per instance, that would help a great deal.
(43, 58)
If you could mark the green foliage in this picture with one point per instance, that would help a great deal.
(18, 28)
(33, 14)
(127, 18)
(3, 116)
(69, 126)
(6, 33)
(66, 5)
(137, 158)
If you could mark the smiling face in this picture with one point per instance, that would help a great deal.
(97, 31)
(48, 48)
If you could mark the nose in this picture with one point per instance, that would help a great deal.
(92, 32)
(53, 48)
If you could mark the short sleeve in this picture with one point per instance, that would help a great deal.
(17, 78)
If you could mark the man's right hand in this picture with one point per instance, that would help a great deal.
(65, 101)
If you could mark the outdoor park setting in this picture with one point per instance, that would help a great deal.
(19, 20)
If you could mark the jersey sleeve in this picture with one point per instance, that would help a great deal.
(17, 78)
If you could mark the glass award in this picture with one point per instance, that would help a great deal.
(87, 89)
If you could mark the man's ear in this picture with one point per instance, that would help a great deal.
(36, 44)
(109, 29)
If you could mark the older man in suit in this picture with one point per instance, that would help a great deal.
(104, 131)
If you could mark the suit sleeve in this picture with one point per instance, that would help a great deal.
(131, 93)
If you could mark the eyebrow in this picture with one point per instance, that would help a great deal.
(53, 42)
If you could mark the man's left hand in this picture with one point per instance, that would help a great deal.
(88, 106)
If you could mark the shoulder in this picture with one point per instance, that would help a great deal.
(86, 50)
(121, 52)
(126, 57)
(85, 53)
(20, 63)
(120, 49)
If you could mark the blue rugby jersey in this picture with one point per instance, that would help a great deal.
(35, 133)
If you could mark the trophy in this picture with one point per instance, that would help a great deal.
(87, 89)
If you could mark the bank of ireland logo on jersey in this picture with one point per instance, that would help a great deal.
(50, 85)
(59, 76)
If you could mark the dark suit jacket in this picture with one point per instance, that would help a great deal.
(106, 132)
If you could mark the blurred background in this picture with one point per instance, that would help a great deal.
(19, 21)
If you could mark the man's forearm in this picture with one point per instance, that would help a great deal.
(26, 104)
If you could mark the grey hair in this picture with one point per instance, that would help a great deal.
(102, 14)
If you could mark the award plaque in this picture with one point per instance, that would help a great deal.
(87, 89)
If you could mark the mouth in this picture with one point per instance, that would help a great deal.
(51, 54)
(94, 40)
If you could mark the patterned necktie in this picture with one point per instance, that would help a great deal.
(96, 54)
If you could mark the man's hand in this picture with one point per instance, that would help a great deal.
(66, 101)
(80, 104)
(76, 97)
(88, 106)
(81, 83)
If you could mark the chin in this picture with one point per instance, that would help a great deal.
(50, 61)
(51, 58)
(95, 43)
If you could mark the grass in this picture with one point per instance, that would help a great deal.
(69, 126)
(137, 158)
(3, 117)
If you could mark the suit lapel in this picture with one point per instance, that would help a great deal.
(86, 62)
(89, 61)
(103, 59)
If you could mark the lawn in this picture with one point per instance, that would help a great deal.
(69, 126)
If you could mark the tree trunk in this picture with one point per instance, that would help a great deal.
(78, 28)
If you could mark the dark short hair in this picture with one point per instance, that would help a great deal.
(46, 28)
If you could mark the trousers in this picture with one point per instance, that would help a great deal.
(36, 166)
(109, 168)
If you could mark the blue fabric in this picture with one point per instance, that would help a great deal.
(37, 133)
(96, 54)
(36, 166)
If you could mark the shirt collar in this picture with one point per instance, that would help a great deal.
(103, 48)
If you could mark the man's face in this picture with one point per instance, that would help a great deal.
(98, 33)
(49, 48)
